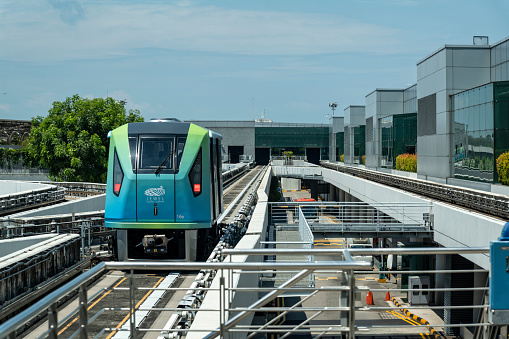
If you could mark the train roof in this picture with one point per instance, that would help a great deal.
(158, 127)
(165, 126)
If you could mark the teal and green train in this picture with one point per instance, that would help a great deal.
(164, 190)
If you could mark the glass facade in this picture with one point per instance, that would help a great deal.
(405, 134)
(340, 144)
(387, 142)
(501, 118)
(398, 136)
(295, 139)
(359, 143)
(481, 131)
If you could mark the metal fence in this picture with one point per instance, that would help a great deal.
(78, 189)
(35, 197)
(357, 216)
(343, 298)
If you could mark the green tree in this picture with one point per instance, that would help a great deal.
(72, 140)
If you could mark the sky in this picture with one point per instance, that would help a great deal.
(285, 60)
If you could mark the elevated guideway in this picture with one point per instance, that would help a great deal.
(453, 225)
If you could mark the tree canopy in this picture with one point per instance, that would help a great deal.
(72, 140)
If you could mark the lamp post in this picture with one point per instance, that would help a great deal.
(333, 106)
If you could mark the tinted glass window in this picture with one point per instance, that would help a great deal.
(132, 151)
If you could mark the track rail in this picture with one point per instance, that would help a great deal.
(496, 205)
(192, 284)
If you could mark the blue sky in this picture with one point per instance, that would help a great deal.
(226, 60)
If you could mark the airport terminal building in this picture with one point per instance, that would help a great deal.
(455, 118)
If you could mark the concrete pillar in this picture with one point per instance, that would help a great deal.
(348, 209)
(342, 195)
(332, 193)
(439, 279)
(314, 189)
(480, 280)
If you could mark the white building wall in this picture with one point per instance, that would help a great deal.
(354, 116)
(235, 133)
(371, 112)
(380, 103)
(450, 70)
(337, 126)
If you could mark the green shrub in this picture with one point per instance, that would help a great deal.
(342, 158)
(12, 157)
(503, 168)
(406, 162)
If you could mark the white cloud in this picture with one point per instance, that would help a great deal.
(39, 31)
(130, 103)
(5, 108)
(43, 99)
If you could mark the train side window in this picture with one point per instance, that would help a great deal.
(132, 151)
(156, 152)
(181, 143)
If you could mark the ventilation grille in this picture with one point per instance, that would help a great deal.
(369, 129)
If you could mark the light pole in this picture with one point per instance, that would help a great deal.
(333, 106)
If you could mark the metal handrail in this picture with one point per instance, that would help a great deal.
(232, 325)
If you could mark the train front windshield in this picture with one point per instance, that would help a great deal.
(156, 152)
(150, 154)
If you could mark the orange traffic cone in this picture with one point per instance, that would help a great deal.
(370, 298)
(367, 298)
(387, 296)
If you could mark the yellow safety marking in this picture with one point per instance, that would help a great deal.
(331, 239)
(366, 279)
(328, 278)
(331, 219)
(137, 305)
(89, 307)
(408, 320)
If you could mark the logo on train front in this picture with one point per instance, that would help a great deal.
(155, 194)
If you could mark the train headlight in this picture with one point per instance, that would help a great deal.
(118, 174)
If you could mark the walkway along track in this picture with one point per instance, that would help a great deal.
(496, 205)
(240, 201)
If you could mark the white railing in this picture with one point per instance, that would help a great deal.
(306, 235)
(245, 158)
